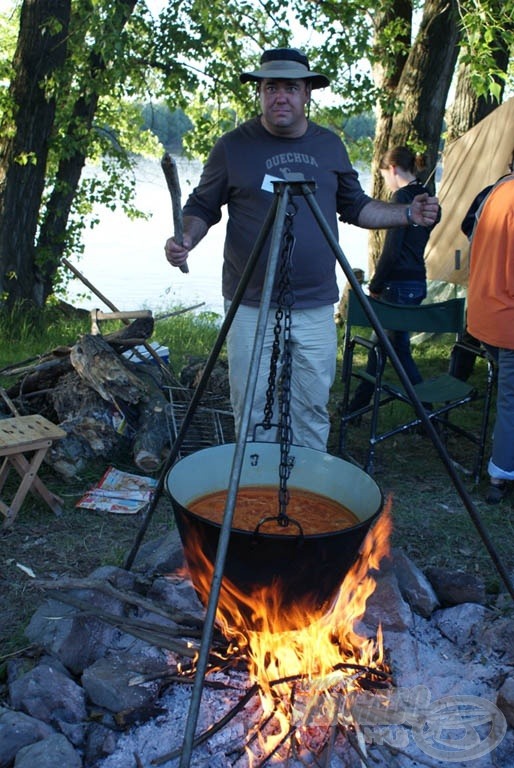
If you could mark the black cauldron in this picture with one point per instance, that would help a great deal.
(310, 568)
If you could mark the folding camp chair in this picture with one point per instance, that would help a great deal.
(24, 442)
(444, 392)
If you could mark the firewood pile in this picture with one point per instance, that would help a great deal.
(104, 401)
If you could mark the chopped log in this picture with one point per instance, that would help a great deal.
(42, 375)
(103, 393)
(153, 432)
(72, 397)
(137, 332)
(101, 399)
(90, 425)
(105, 371)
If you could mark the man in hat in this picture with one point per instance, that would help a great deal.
(239, 173)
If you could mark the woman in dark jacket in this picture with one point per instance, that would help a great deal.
(400, 274)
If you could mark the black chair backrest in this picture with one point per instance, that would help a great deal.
(437, 317)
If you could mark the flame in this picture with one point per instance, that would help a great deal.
(315, 664)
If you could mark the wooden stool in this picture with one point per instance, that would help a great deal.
(20, 435)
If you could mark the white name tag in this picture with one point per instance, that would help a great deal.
(267, 185)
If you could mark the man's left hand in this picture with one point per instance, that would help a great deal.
(425, 210)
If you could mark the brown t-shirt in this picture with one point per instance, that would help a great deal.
(239, 174)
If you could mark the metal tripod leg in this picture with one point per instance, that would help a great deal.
(276, 219)
(197, 395)
(420, 411)
(235, 475)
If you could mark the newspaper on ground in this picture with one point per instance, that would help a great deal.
(119, 492)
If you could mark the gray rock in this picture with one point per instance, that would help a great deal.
(178, 594)
(109, 683)
(18, 730)
(79, 640)
(53, 752)
(461, 624)
(386, 605)
(456, 587)
(117, 577)
(100, 742)
(414, 585)
(163, 555)
(497, 638)
(53, 697)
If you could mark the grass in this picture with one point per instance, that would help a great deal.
(430, 521)
(188, 335)
(27, 336)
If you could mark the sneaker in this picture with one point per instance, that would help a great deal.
(496, 492)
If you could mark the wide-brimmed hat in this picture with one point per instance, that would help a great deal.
(285, 64)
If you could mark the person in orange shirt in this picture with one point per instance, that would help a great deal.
(491, 318)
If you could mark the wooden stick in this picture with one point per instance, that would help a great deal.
(107, 589)
(90, 285)
(114, 308)
(170, 171)
(9, 402)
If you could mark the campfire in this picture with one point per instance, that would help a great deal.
(305, 665)
(282, 688)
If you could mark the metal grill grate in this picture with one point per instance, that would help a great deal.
(212, 423)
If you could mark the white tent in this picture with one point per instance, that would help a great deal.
(472, 162)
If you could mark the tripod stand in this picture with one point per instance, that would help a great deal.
(274, 223)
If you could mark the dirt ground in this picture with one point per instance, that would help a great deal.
(41, 545)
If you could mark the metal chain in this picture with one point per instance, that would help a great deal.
(283, 291)
(283, 327)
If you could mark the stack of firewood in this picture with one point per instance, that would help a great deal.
(102, 400)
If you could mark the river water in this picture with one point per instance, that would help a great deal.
(124, 260)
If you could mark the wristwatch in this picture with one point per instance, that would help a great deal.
(408, 213)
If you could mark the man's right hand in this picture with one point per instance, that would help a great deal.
(177, 254)
(194, 230)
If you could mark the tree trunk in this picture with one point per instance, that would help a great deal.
(24, 143)
(417, 103)
(27, 271)
(469, 107)
(52, 243)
